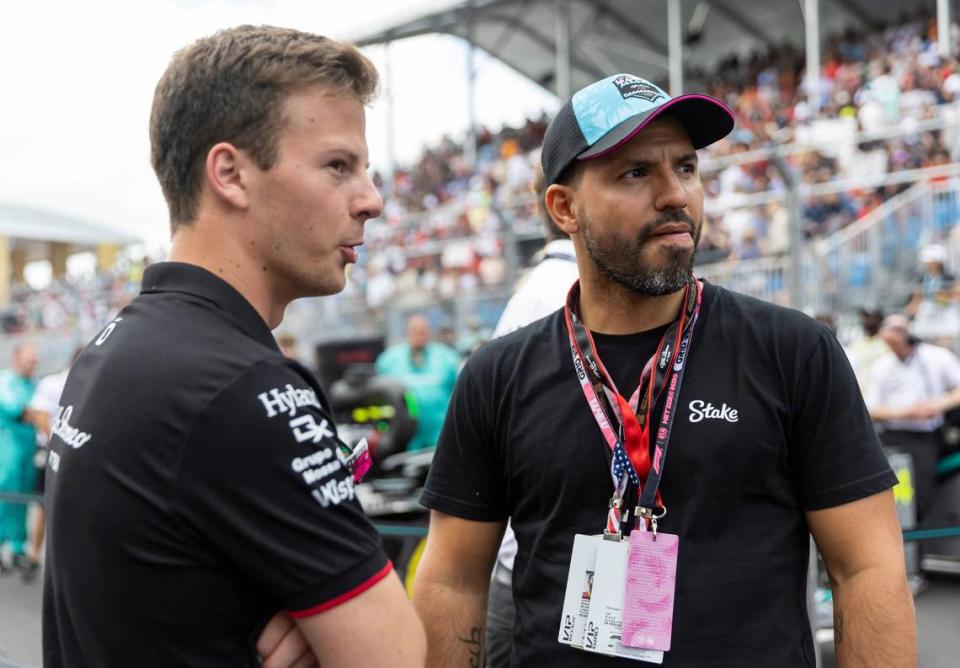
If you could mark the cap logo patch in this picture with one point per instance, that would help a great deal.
(636, 87)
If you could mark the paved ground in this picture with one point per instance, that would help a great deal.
(19, 621)
(938, 621)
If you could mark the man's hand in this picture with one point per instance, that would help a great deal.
(282, 645)
(924, 410)
(29, 416)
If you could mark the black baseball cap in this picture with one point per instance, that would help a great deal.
(607, 113)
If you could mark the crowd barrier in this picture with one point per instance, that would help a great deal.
(414, 531)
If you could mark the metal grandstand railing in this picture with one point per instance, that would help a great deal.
(872, 262)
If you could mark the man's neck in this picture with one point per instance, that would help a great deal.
(904, 353)
(227, 259)
(607, 307)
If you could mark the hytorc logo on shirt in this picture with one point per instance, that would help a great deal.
(287, 400)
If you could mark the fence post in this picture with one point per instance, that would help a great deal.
(796, 228)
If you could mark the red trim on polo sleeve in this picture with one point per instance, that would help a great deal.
(345, 596)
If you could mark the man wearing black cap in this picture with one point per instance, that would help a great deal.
(564, 427)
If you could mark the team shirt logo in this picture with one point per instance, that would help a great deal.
(319, 469)
(701, 410)
(67, 433)
(287, 400)
(305, 428)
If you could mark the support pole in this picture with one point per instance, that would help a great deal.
(470, 145)
(943, 28)
(388, 178)
(675, 46)
(6, 246)
(811, 21)
(562, 37)
(795, 212)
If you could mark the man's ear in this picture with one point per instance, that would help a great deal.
(559, 201)
(225, 171)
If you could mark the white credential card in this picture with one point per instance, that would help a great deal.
(576, 600)
(604, 618)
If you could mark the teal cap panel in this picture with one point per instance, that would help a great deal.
(602, 106)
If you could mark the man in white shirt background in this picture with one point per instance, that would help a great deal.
(912, 387)
(541, 292)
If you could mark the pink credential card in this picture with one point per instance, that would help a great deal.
(650, 587)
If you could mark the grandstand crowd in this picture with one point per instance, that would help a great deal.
(444, 229)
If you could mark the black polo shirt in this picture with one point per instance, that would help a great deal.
(194, 488)
(769, 424)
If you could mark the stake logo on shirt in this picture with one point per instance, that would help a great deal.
(703, 410)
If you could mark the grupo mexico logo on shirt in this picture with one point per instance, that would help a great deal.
(319, 470)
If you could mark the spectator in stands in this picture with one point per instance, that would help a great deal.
(429, 370)
(18, 442)
(936, 316)
(912, 387)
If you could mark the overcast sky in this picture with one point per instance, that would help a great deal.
(77, 79)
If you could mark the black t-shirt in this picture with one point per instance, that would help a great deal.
(194, 488)
(770, 424)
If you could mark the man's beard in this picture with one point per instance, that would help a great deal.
(619, 259)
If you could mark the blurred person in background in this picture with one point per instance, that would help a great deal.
(474, 336)
(288, 346)
(18, 443)
(911, 388)
(868, 348)
(933, 307)
(43, 407)
(541, 292)
(428, 369)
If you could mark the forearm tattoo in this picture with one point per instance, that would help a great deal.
(838, 626)
(474, 645)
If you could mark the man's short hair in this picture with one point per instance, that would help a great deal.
(231, 87)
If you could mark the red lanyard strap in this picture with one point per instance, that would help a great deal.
(664, 372)
(650, 499)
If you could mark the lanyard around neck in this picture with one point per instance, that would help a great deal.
(625, 428)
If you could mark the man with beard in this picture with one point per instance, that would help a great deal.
(767, 435)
